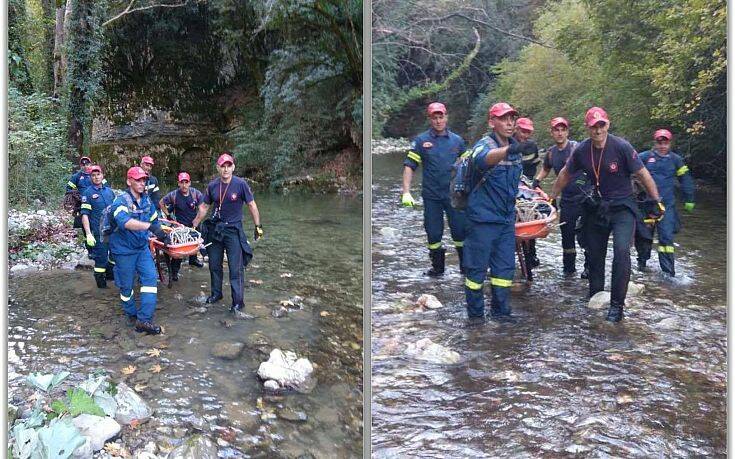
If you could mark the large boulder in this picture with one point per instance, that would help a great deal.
(130, 406)
(97, 429)
(287, 370)
(195, 447)
(427, 301)
(426, 350)
(600, 300)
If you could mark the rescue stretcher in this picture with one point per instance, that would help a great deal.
(534, 218)
(185, 242)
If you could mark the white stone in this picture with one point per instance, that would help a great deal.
(388, 232)
(85, 451)
(130, 406)
(670, 323)
(286, 369)
(97, 429)
(663, 302)
(271, 385)
(196, 447)
(600, 300)
(427, 301)
(425, 349)
(634, 289)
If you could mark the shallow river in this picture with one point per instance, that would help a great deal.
(561, 381)
(312, 248)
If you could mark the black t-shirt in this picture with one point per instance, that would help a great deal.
(185, 207)
(233, 195)
(614, 165)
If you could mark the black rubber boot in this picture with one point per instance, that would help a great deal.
(585, 274)
(437, 257)
(110, 273)
(194, 261)
(460, 255)
(211, 299)
(147, 327)
(533, 259)
(642, 266)
(569, 262)
(237, 311)
(101, 280)
(615, 313)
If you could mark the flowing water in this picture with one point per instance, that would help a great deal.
(561, 381)
(312, 248)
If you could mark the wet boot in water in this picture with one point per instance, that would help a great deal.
(460, 255)
(615, 313)
(109, 272)
(101, 280)
(437, 257)
(239, 314)
(147, 327)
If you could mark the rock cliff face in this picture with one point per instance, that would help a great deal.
(175, 143)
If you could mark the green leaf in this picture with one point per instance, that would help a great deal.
(59, 407)
(80, 402)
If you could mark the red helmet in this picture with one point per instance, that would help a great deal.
(436, 107)
(525, 123)
(225, 158)
(665, 133)
(183, 176)
(595, 115)
(559, 120)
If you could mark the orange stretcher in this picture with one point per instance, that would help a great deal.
(528, 232)
(163, 254)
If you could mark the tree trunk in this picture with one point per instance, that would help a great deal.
(48, 7)
(59, 48)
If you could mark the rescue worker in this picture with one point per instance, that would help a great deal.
(182, 205)
(80, 179)
(94, 201)
(571, 196)
(436, 150)
(665, 167)
(523, 132)
(134, 216)
(223, 230)
(491, 214)
(609, 161)
(151, 186)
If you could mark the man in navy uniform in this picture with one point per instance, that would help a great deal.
(151, 186)
(134, 216)
(609, 161)
(226, 194)
(182, 205)
(95, 199)
(571, 196)
(436, 150)
(665, 167)
(491, 214)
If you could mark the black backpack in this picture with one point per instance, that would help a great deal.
(108, 225)
(466, 178)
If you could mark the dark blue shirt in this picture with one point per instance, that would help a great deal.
(183, 207)
(436, 154)
(232, 194)
(495, 200)
(94, 200)
(124, 241)
(79, 181)
(579, 183)
(615, 165)
(665, 169)
(151, 187)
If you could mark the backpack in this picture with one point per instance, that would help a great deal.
(465, 179)
(108, 225)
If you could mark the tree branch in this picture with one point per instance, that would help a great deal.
(130, 9)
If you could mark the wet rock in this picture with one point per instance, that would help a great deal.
(13, 357)
(634, 289)
(426, 350)
(289, 414)
(601, 300)
(195, 447)
(85, 450)
(130, 406)
(271, 385)
(663, 302)
(227, 350)
(426, 301)
(297, 301)
(12, 414)
(389, 233)
(287, 369)
(97, 429)
(669, 323)
(279, 312)
(196, 423)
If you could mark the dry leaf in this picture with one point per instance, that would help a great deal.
(129, 370)
(163, 346)
(286, 275)
(113, 448)
(156, 368)
(256, 281)
(134, 424)
(153, 352)
(140, 387)
(64, 359)
(325, 314)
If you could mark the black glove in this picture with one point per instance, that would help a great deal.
(258, 232)
(523, 148)
(535, 184)
(160, 234)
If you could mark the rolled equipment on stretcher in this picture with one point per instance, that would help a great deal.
(534, 213)
(185, 241)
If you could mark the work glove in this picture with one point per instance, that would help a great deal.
(689, 206)
(535, 184)
(522, 148)
(407, 200)
(554, 204)
(91, 241)
(161, 235)
(258, 232)
(657, 214)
